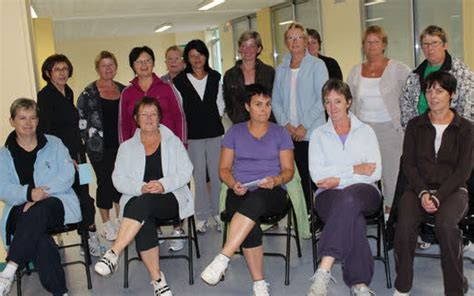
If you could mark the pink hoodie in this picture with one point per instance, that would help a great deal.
(172, 114)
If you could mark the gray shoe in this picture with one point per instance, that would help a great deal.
(320, 284)
(362, 291)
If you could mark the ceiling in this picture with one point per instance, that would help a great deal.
(77, 19)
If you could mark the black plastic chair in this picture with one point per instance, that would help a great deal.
(84, 235)
(377, 219)
(270, 220)
(191, 237)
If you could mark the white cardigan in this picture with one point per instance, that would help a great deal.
(328, 157)
(391, 84)
(177, 170)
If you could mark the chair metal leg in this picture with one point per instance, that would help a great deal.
(195, 236)
(18, 282)
(87, 258)
(385, 254)
(125, 267)
(297, 234)
(288, 247)
(190, 254)
(379, 229)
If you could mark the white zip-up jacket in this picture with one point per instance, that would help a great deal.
(328, 157)
(177, 170)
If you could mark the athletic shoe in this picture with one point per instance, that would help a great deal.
(201, 226)
(218, 221)
(320, 284)
(5, 285)
(161, 287)
(362, 291)
(94, 244)
(177, 244)
(261, 288)
(109, 232)
(214, 272)
(107, 264)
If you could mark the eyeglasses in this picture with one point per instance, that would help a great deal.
(372, 42)
(143, 62)
(434, 44)
(293, 38)
(58, 70)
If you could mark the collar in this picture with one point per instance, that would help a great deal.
(425, 119)
(12, 145)
(420, 70)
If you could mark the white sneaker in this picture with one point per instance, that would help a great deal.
(467, 246)
(320, 284)
(261, 288)
(109, 231)
(362, 291)
(396, 293)
(5, 285)
(214, 272)
(161, 287)
(201, 226)
(218, 221)
(160, 235)
(107, 264)
(422, 244)
(94, 244)
(177, 244)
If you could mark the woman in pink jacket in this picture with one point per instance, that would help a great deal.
(146, 83)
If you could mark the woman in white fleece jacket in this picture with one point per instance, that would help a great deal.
(152, 171)
(344, 162)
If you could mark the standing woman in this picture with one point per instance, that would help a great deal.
(248, 70)
(203, 104)
(59, 117)
(377, 84)
(146, 83)
(314, 48)
(297, 103)
(98, 107)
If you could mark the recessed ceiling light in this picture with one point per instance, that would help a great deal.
(163, 27)
(208, 4)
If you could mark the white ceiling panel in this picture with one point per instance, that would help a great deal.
(76, 19)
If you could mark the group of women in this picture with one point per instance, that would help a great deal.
(147, 140)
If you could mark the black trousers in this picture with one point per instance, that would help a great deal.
(255, 204)
(106, 193)
(146, 209)
(301, 159)
(32, 242)
(86, 202)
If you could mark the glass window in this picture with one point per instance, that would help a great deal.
(308, 14)
(282, 16)
(445, 14)
(394, 17)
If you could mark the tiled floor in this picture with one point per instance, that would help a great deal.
(428, 279)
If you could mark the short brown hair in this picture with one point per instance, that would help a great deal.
(147, 101)
(295, 25)
(247, 35)
(22, 103)
(49, 63)
(434, 31)
(376, 30)
(338, 86)
(104, 55)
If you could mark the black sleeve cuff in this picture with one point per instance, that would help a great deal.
(28, 193)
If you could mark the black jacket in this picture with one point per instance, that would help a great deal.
(59, 117)
(334, 70)
(202, 115)
(234, 89)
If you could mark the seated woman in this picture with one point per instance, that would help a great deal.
(344, 162)
(152, 171)
(437, 161)
(36, 177)
(252, 150)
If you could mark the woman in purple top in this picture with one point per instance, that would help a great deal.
(253, 150)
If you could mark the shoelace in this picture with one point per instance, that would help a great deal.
(160, 289)
(108, 262)
(262, 288)
(365, 289)
(331, 278)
